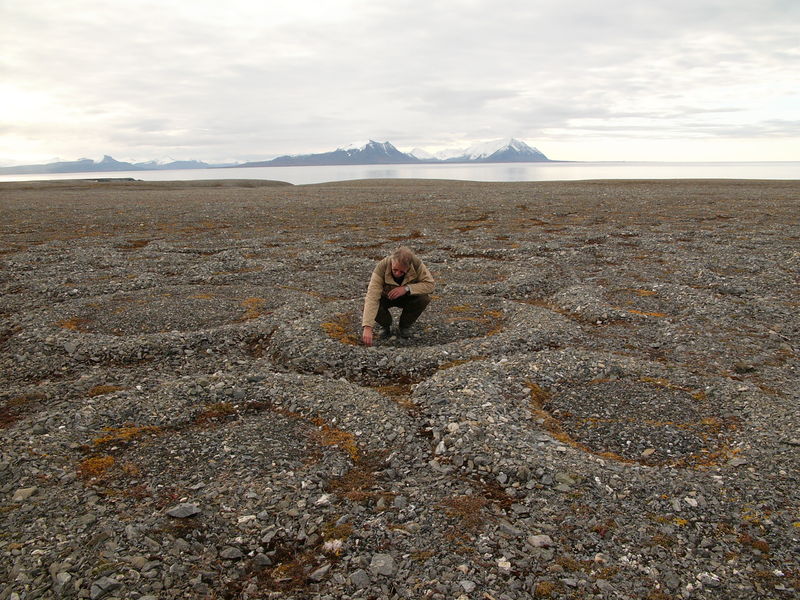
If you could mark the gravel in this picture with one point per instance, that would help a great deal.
(601, 400)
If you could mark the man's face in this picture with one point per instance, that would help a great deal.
(399, 270)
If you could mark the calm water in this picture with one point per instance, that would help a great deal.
(470, 172)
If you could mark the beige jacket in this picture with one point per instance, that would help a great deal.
(417, 278)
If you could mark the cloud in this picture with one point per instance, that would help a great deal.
(208, 80)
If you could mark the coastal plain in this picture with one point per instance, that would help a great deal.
(600, 402)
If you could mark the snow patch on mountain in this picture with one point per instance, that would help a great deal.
(372, 145)
(486, 149)
(354, 146)
(422, 154)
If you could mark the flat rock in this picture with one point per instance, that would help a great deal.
(382, 564)
(23, 494)
(182, 511)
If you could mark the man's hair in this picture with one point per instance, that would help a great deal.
(403, 256)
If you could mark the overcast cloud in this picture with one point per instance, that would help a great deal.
(239, 80)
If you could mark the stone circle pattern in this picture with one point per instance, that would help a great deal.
(598, 402)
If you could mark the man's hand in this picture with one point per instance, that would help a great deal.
(396, 292)
(366, 336)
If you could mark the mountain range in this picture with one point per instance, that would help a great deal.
(367, 153)
(87, 165)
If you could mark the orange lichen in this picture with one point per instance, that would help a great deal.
(124, 434)
(253, 308)
(339, 329)
(459, 308)
(74, 324)
(95, 467)
(646, 314)
(330, 436)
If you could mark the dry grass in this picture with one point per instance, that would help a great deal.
(355, 485)
(544, 589)
(467, 510)
(399, 393)
(133, 244)
(214, 412)
(102, 390)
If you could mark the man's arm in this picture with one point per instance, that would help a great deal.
(424, 283)
(373, 297)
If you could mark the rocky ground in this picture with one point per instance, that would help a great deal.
(600, 402)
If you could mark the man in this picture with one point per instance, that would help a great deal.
(402, 280)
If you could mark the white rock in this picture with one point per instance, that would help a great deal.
(540, 541)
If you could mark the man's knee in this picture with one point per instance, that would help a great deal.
(423, 300)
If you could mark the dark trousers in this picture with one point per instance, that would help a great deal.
(412, 307)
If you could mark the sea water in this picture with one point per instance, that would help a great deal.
(548, 171)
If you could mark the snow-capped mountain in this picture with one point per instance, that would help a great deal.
(508, 150)
(368, 153)
(359, 153)
(372, 152)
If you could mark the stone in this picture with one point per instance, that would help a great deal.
(709, 579)
(103, 587)
(261, 560)
(508, 529)
(382, 564)
(183, 511)
(319, 574)
(22, 494)
(231, 553)
(360, 579)
(564, 478)
(540, 541)
(467, 585)
(605, 586)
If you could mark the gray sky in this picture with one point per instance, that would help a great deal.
(240, 80)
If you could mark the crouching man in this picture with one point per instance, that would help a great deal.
(401, 280)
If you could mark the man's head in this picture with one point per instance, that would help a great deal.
(401, 261)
